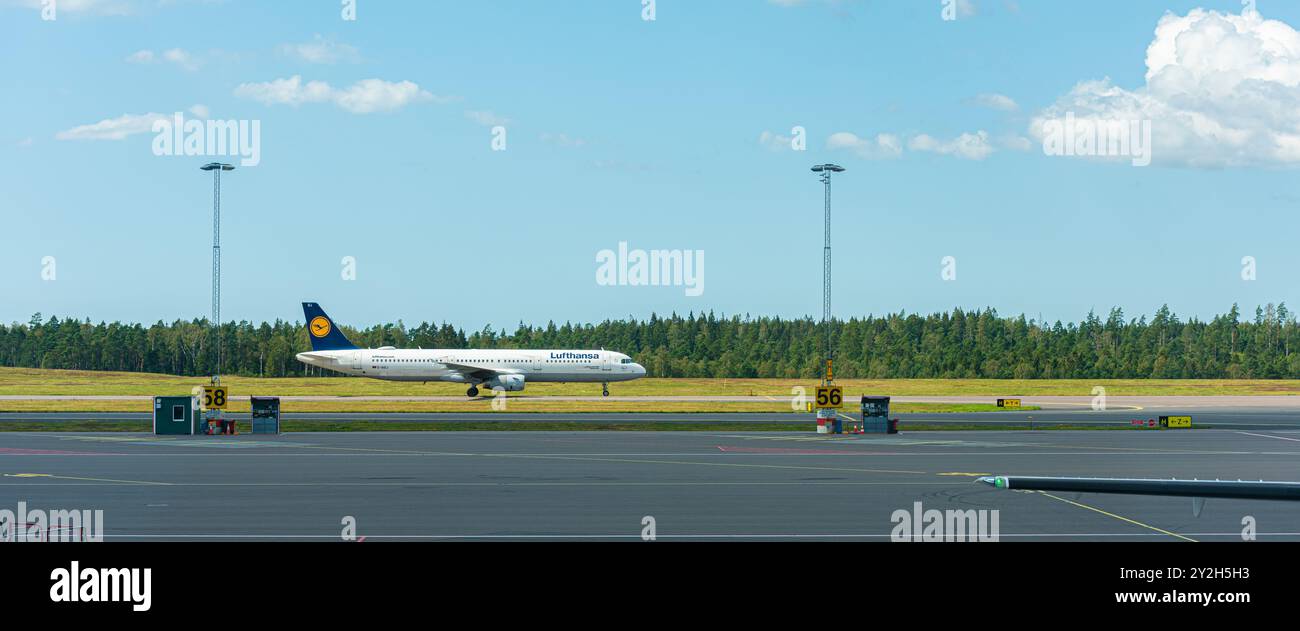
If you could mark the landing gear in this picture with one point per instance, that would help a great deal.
(472, 392)
(604, 390)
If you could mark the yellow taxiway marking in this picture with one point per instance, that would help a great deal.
(1119, 517)
(962, 473)
(68, 477)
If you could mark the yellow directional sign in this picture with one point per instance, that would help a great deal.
(1176, 422)
(1009, 403)
(214, 398)
(830, 396)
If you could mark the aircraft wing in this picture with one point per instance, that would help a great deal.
(477, 372)
(1230, 489)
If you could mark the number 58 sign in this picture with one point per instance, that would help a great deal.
(214, 398)
(830, 397)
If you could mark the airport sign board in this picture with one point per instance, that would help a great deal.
(1009, 403)
(214, 398)
(830, 397)
(1176, 422)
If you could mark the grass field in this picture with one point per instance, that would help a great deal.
(27, 381)
(484, 406)
(375, 426)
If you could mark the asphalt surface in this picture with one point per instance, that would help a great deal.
(600, 485)
(1211, 416)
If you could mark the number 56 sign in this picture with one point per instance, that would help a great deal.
(830, 397)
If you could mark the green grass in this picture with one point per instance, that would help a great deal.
(484, 406)
(20, 381)
(530, 426)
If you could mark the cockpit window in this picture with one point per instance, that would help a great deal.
(625, 360)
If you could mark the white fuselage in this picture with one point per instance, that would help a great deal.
(478, 366)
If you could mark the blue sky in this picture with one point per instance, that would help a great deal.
(665, 134)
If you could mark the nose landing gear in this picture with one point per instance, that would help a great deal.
(604, 390)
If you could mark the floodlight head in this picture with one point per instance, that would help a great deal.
(212, 166)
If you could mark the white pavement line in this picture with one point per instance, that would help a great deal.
(667, 536)
(1297, 440)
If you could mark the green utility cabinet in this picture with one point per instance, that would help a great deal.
(266, 415)
(875, 416)
(176, 415)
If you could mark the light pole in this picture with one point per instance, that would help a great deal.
(826, 170)
(216, 168)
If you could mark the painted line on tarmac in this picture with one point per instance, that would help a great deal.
(1270, 436)
(637, 537)
(68, 477)
(1119, 517)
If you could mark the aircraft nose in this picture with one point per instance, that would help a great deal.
(640, 369)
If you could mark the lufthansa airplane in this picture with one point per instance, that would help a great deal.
(498, 369)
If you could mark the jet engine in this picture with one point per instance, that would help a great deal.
(508, 383)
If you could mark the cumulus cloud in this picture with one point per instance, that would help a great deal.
(1221, 90)
(90, 7)
(882, 146)
(178, 57)
(968, 146)
(775, 142)
(362, 97)
(125, 125)
(321, 51)
(1000, 102)
(113, 128)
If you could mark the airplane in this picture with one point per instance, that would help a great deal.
(497, 369)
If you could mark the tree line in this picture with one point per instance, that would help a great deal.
(956, 344)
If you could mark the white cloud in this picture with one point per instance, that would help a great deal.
(175, 56)
(321, 51)
(775, 142)
(113, 128)
(25, 142)
(141, 57)
(969, 146)
(999, 102)
(1222, 90)
(122, 126)
(486, 118)
(362, 97)
(882, 146)
(94, 7)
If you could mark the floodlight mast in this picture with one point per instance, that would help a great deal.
(216, 168)
(826, 170)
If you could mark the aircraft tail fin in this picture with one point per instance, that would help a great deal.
(321, 330)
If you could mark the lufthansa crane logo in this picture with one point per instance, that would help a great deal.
(320, 326)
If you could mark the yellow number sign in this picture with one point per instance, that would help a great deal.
(214, 398)
(830, 396)
(1009, 403)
